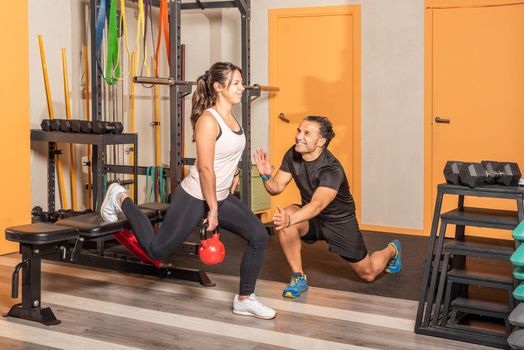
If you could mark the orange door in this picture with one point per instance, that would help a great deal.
(314, 57)
(475, 69)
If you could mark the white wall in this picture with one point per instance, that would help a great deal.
(55, 37)
(392, 90)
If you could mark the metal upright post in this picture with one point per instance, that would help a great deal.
(245, 12)
(176, 140)
(96, 103)
(51, 162)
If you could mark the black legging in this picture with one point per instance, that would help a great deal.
(184, 214)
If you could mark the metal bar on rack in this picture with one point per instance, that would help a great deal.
(208, 5)
(172, 81)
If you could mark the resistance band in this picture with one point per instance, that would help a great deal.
(139, 31)
(162, 185)
(163, 23)
(156, 184)
(123, 31)
(112, 66)
(148, 11)
(150, 190)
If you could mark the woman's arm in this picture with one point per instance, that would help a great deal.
(206, 131)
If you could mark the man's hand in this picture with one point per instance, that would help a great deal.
(262, 161)
(281, 219)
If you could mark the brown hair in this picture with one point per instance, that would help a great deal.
(205, 94)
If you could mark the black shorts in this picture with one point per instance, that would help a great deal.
(344, 238)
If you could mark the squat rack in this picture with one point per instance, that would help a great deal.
(177, 92)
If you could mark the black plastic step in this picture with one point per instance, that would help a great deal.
(481, 307)
(482, 217)
(481, 277)
(487, 250)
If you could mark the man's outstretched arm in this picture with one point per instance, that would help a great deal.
(276, 184)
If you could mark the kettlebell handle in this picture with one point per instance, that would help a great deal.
(203, 232)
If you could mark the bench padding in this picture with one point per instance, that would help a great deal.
(159, 208)
(92, 225)
(40, 233)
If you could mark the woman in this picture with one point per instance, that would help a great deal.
(206, 191)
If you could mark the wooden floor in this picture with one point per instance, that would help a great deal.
(107, 310)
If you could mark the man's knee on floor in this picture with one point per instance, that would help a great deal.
(367, 276)
(363, 269)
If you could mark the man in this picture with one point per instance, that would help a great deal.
(327, 211)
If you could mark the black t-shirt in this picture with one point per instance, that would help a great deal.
(325, 171)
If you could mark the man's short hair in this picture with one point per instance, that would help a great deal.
(326, 128)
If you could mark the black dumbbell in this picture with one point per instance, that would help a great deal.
(46, 125)
(50, 124)
(36, 211)
(64, 214)
(507, 173)
(65, 125)
(452, 171)
(76, 125)
(79, 126)
(101, 127)
(86, 127)
(475, 174)
(48, 216)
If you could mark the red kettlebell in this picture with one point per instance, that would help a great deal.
(212, 250)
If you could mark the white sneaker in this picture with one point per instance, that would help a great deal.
(110, 206)
(252, 307)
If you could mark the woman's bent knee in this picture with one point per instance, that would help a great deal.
(259, 237)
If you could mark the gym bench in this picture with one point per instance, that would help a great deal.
(64, 241)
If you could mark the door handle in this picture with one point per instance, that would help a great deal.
(282, 117)
(442, 120)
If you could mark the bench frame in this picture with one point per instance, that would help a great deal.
(71, 251)
(30, 308)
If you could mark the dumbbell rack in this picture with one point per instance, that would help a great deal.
(441, 273)
(98, 161)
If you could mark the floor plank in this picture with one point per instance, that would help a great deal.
(123, 310)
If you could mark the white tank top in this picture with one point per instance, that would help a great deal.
(228, 150)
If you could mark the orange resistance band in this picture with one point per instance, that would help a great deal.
(163, 24)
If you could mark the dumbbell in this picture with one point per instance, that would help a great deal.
(86, 127)
(50, 125)
(476, 174)
(101, 127)
(48, 216)
(65, 125)
(36, 211)
(81, 126)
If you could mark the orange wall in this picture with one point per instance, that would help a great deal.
(15, 200)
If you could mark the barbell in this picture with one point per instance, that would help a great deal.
(172, 81)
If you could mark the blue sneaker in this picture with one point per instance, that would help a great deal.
(297, 286)
(395, 264)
